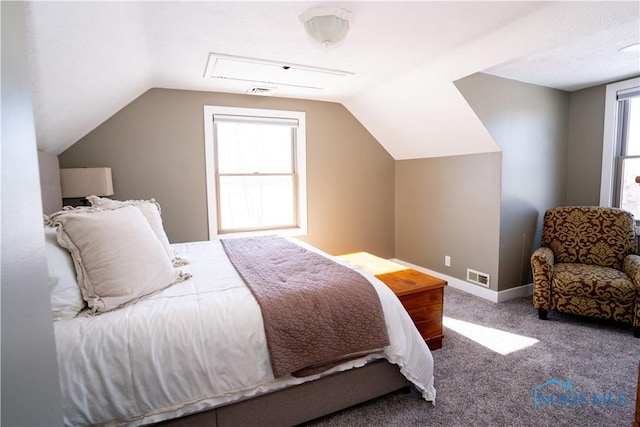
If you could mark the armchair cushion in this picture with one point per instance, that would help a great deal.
(592, 281)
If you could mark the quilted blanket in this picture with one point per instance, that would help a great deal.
(317, 313)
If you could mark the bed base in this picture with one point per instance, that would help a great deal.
(303, 402)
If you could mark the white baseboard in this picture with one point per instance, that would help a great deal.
(479, 291)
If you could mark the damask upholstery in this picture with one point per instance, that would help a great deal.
(587, 265)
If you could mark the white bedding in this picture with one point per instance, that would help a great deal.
(194, 346)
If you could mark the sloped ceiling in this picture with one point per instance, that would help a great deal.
(90, 59)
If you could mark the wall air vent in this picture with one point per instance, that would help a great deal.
(478, 278)
(261, 90)
(270, 72)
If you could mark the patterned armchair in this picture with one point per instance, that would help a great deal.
(587, 265)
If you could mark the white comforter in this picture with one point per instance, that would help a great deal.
(194, 346)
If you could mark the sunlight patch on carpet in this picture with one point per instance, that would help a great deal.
(494, 339)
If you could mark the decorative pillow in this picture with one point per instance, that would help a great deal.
(66, 299)
(151, 211)
(117, 257)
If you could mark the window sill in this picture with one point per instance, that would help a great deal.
(297, 231)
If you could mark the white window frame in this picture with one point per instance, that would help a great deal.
(210, 168)
(610, 139)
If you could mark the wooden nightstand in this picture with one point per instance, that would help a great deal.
(420, 294)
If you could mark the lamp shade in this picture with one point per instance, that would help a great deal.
(83, 182)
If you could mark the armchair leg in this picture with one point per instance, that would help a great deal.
(542, 314)
(636, 331)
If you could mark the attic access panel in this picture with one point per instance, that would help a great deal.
(270, 72)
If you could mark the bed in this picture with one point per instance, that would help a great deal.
(193, 351)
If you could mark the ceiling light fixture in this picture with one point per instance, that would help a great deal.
(631, 48)
(327, 25)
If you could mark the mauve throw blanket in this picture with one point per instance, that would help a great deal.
(317, 313)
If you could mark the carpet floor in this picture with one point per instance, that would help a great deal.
(501, 366)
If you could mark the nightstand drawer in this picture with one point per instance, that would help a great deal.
(425, 314)
(427, 299)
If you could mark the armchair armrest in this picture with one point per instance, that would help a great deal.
(542, 262)
(631, 268)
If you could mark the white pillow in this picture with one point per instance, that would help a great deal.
(66, 299)
(117, 257)
(151, 211)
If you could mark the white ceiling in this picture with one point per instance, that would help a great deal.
(90, 59)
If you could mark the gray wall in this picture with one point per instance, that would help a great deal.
(485, 211)
(449, 206)
(30, 389)
(155, 147)
(586, 130)
(530, 124)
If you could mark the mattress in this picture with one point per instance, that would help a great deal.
(196, 345)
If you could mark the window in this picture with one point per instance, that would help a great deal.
(621, 153)
(255, 165)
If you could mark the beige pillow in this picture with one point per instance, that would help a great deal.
(117, 257)
(151, 211)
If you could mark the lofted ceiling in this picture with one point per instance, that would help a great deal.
(90, 59)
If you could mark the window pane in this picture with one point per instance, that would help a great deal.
(630, 191)
(256, 202)
(249, 148)
(633, 127)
